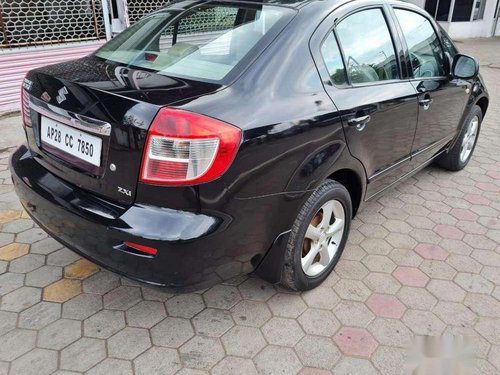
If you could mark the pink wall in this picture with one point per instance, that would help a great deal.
(15, 64)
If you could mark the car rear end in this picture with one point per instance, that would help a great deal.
(105, 137)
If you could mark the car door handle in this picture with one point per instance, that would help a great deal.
(359, 122)
(426, 103)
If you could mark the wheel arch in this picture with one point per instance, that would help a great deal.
(483, 103)
(353, 183)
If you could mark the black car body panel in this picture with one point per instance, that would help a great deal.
(295, 135)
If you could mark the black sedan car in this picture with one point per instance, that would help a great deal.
(215, 138)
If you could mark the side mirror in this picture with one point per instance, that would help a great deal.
(464, 67)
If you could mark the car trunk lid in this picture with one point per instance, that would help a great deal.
(103, 111)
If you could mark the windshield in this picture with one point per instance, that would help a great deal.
(204, 43)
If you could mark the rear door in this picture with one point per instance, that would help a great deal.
(369, 87)
(441, 98)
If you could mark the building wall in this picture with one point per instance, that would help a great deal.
(15, 63)
(475, 29)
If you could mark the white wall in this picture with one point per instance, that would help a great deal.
(475, 29)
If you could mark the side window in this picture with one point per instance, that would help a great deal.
(333, 60)
(427, 58)
(368, 48)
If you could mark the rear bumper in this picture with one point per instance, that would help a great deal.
(194, 249)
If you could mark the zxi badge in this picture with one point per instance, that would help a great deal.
(125, 191)
(61, 97)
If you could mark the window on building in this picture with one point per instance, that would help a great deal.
(427, 58)
(368, 48)
(443, 10)
(431, 6)
(462, 10)
(478, 13)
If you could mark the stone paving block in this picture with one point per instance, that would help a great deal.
(391, 332)
(17, 226)
(104, 324)
(7, 321)
(62, 290)
(321, 298)
(26, 263)
(483, 305)
(317, 352)
(474, 283)
(382, 283)
(40, 315)
(423, 323)
(157, 361)
(286, 305)
(282, 331)
(243, 341)
(80, 270)
(354, 290)
(112, 366)
(20, 299)
(122, 298)
(36, 362)
(353, 314)
(436, 269)
(156, 294)
(385, 306)
(45, 246)
(172, 332)
(5, 239)
(416, 298)
(411, 276)
(277, 360)
(431, 251)
(251, 313)
(350, 366)
(212, 322)
(82, 306)
(222, 296)
(101, 283)
(15, 343)
(319, 322)
(129, 343)
(83, 354)
(391, 361)
(7, 216)
(59, 334)
(201, 352)
(234, 365)
(146, 314)
(355, 341)
(43, 276)
(13, 251)
(256, 289)
(62, 258)
(31, 235)
(185, 305)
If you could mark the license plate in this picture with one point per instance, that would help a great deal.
(72, 141)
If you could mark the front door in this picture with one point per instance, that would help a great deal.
(441, 98)
(379, 109)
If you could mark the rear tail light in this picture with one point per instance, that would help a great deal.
(185, 148)
(25, 107)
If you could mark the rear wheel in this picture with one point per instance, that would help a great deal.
(459, 156)
(318, 237)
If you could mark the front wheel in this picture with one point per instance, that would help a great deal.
(318, 237)
(460, 154)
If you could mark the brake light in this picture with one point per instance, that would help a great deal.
(25, 107)
(185, 148)
(141, 248)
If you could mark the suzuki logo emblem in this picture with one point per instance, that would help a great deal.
(62, 95)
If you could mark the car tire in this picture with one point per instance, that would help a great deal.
(303, 269)
(460, 154)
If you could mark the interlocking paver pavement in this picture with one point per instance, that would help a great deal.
(424, 259)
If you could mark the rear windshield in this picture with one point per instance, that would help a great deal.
(203, 43)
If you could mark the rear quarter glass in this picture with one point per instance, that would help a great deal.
(207, 43)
